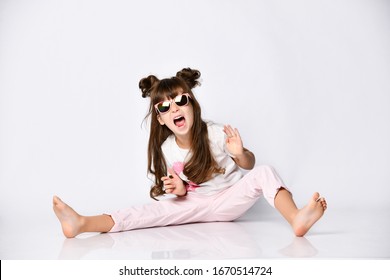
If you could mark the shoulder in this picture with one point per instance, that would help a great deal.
(216, 134)
(168, 143)
(215, 128)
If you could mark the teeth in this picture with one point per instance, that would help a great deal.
(178, 117)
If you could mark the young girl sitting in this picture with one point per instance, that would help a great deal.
(200, 163)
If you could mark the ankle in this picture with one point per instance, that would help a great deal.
(82, 222)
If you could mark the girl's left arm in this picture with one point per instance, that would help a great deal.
(246, 160)
(242, 156)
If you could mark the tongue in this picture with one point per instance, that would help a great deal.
(180, 122)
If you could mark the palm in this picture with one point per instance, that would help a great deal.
(234, 143)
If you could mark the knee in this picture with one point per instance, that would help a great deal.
(260, 171)
(271, 174)
(264, 169)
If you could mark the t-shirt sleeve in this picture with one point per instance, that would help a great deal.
(218, 137)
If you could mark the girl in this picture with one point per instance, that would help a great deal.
(200, 163)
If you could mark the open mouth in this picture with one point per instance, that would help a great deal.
(179, 121)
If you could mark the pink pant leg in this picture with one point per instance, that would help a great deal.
(173, 211)
(235, 201)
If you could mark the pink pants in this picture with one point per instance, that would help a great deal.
(226, 205)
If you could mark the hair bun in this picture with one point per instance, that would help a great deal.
(190, 76)
(146, 85)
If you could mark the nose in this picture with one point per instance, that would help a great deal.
(174, 107)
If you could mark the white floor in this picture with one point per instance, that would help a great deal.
(261, 233)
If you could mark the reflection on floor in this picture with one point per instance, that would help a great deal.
(341, 234)
(195, 241)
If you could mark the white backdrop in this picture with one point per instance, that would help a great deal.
(306, 82)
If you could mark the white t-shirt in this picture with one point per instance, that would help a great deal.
(176, 157)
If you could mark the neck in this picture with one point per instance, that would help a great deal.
(184, 142)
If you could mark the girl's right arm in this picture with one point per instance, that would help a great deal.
(173, 184)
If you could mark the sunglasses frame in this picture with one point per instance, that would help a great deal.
(170, 103)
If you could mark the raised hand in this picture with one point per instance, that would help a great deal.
(233, 141)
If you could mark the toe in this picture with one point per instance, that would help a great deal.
(56, 199)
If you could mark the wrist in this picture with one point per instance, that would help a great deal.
(183, 191)
(246, 160)
(239, 154)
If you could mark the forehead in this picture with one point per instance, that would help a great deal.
(168, 94)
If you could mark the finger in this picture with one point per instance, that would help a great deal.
(237, 133)
(168, 183)
(171, 172)
(165, 178)
(170, 189)
(229, 131)
(226, 130)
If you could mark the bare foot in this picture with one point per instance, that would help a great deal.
(70, 220)
(309, 215)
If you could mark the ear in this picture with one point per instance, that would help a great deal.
(160, 120)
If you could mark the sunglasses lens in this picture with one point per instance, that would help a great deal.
(163, 107)
(181, 100)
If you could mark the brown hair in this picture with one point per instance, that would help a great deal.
(201, 166)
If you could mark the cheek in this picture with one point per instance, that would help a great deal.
(190, 111)
(162, 119)
(191, 115)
